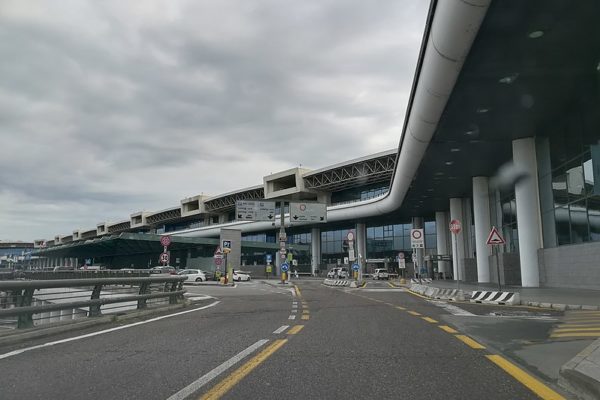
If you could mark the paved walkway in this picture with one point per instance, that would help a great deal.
(541, 295)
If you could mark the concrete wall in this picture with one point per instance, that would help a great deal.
(470, 270)
(234, 259)
(510, 269)
(576, 266)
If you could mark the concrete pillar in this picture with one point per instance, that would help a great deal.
(481, 214)
(458, 241)
(361, 244)
(315, 249)
(324, 197)
(529, 221)
(441, 230)
(417, 223)
(468, 227)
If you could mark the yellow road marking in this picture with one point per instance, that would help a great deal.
(469, 342)
(446, 328)
(295, 329)
(306, 317)
(582, 321)
(418, 295)
(574, 329)
(390, 284)
(529, 381)
(563, 326)
(428, 319)
(400, 308)
(230, 381)
(414, 313)
(576, 334)
(298, 292)
(305, 312)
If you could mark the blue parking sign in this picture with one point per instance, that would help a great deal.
(355, 267)
(285, 267)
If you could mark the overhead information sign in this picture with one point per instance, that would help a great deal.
(246, 210)
(308, 212)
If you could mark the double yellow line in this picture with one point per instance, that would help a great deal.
(226, 384)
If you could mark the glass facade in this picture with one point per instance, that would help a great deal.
(576, 196)
(509, 222)
(359, 194)
(334, 246)
(385, 241)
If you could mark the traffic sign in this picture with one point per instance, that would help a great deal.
(308, 212)
(455, 226)
(285, 267)
(401, 256)
(218, 261)
(218, 253)
(402, 263)
(416, 239)
(494, 238)
(269, 259)
(355, 267)
(351, 254)
(350, 236)
(164, 258)
(226, 244)
(165, 240)
(255, 210)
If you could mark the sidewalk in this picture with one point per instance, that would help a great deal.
(537, 296)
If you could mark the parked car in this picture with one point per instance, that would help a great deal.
(381, 273)
(194, 275)
(63, 268)
(167, 269)
(91, 268)
(333, 273)
(240, 276)
(338, 273)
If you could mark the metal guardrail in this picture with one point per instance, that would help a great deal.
(24, 299)
(75, 274)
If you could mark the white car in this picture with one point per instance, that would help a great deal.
(194, 275)
(333, 273)
(240, 276)
(381, 273)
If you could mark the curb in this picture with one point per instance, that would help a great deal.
(581, 375)
(560, 306)
(18, 336)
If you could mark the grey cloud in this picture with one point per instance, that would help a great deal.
(99, 111)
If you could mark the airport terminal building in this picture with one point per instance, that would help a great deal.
(502, 129)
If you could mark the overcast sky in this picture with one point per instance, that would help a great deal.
(113, 107)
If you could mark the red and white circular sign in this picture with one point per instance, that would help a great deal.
(218, 261)
(164, 258)
(416, 234)
(455, 226)
(165, 240)
(350, 236)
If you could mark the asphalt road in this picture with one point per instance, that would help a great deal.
(340, 344)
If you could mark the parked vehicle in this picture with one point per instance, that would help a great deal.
(167, 269)
(240, 276)
(333, 273)
(338, 273)
(381, 273)
(193, 275)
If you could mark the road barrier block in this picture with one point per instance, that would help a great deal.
(502, 298)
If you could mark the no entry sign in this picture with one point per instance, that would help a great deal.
(455, 226)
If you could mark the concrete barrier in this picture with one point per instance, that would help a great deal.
(495, 297)
(336, 282)
(450, 294)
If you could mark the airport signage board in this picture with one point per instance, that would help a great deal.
(255, 210)
(308, 212)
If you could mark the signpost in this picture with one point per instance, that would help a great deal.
(495, 239)
(308, 212)
(165, 241)
(355, 269)
(218, 258)
(255, 210)
(285, 267)
(417, 239)
(455, 228)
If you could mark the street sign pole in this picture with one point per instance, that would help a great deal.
(495, 249)
(282, 235)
